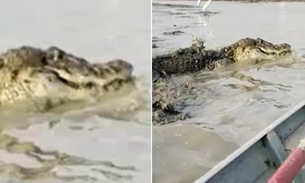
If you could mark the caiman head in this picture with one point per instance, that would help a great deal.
(256, 50)
(31, 74)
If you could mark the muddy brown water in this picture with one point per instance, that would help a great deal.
(234, 103)
(106, 142)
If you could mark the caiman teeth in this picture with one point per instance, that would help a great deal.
(272, 52)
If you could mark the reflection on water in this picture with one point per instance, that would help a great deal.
(235, 102)
(104, 142)
(185, 158)
(44, 162)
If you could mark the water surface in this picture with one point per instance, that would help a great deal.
(235, 103)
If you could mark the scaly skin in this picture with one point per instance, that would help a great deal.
(43, 79)
(196, 58)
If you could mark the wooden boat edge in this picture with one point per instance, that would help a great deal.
(228, 160)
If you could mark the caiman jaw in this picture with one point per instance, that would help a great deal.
(280, 51)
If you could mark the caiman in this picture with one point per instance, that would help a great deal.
(196, 58)
(168, 97)
(41, 79)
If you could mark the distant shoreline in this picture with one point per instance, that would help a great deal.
(246, 1)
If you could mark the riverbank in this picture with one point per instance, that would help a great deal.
(246, 1)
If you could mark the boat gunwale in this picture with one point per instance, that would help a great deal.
(229, 159)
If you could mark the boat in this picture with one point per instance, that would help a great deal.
(261, 158)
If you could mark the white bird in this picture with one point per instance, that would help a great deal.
(205, 6)
(198, 2)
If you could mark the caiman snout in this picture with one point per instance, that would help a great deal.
(121, 66)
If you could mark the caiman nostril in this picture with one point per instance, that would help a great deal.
(121, 67)
(55, 53)
(286, 46)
